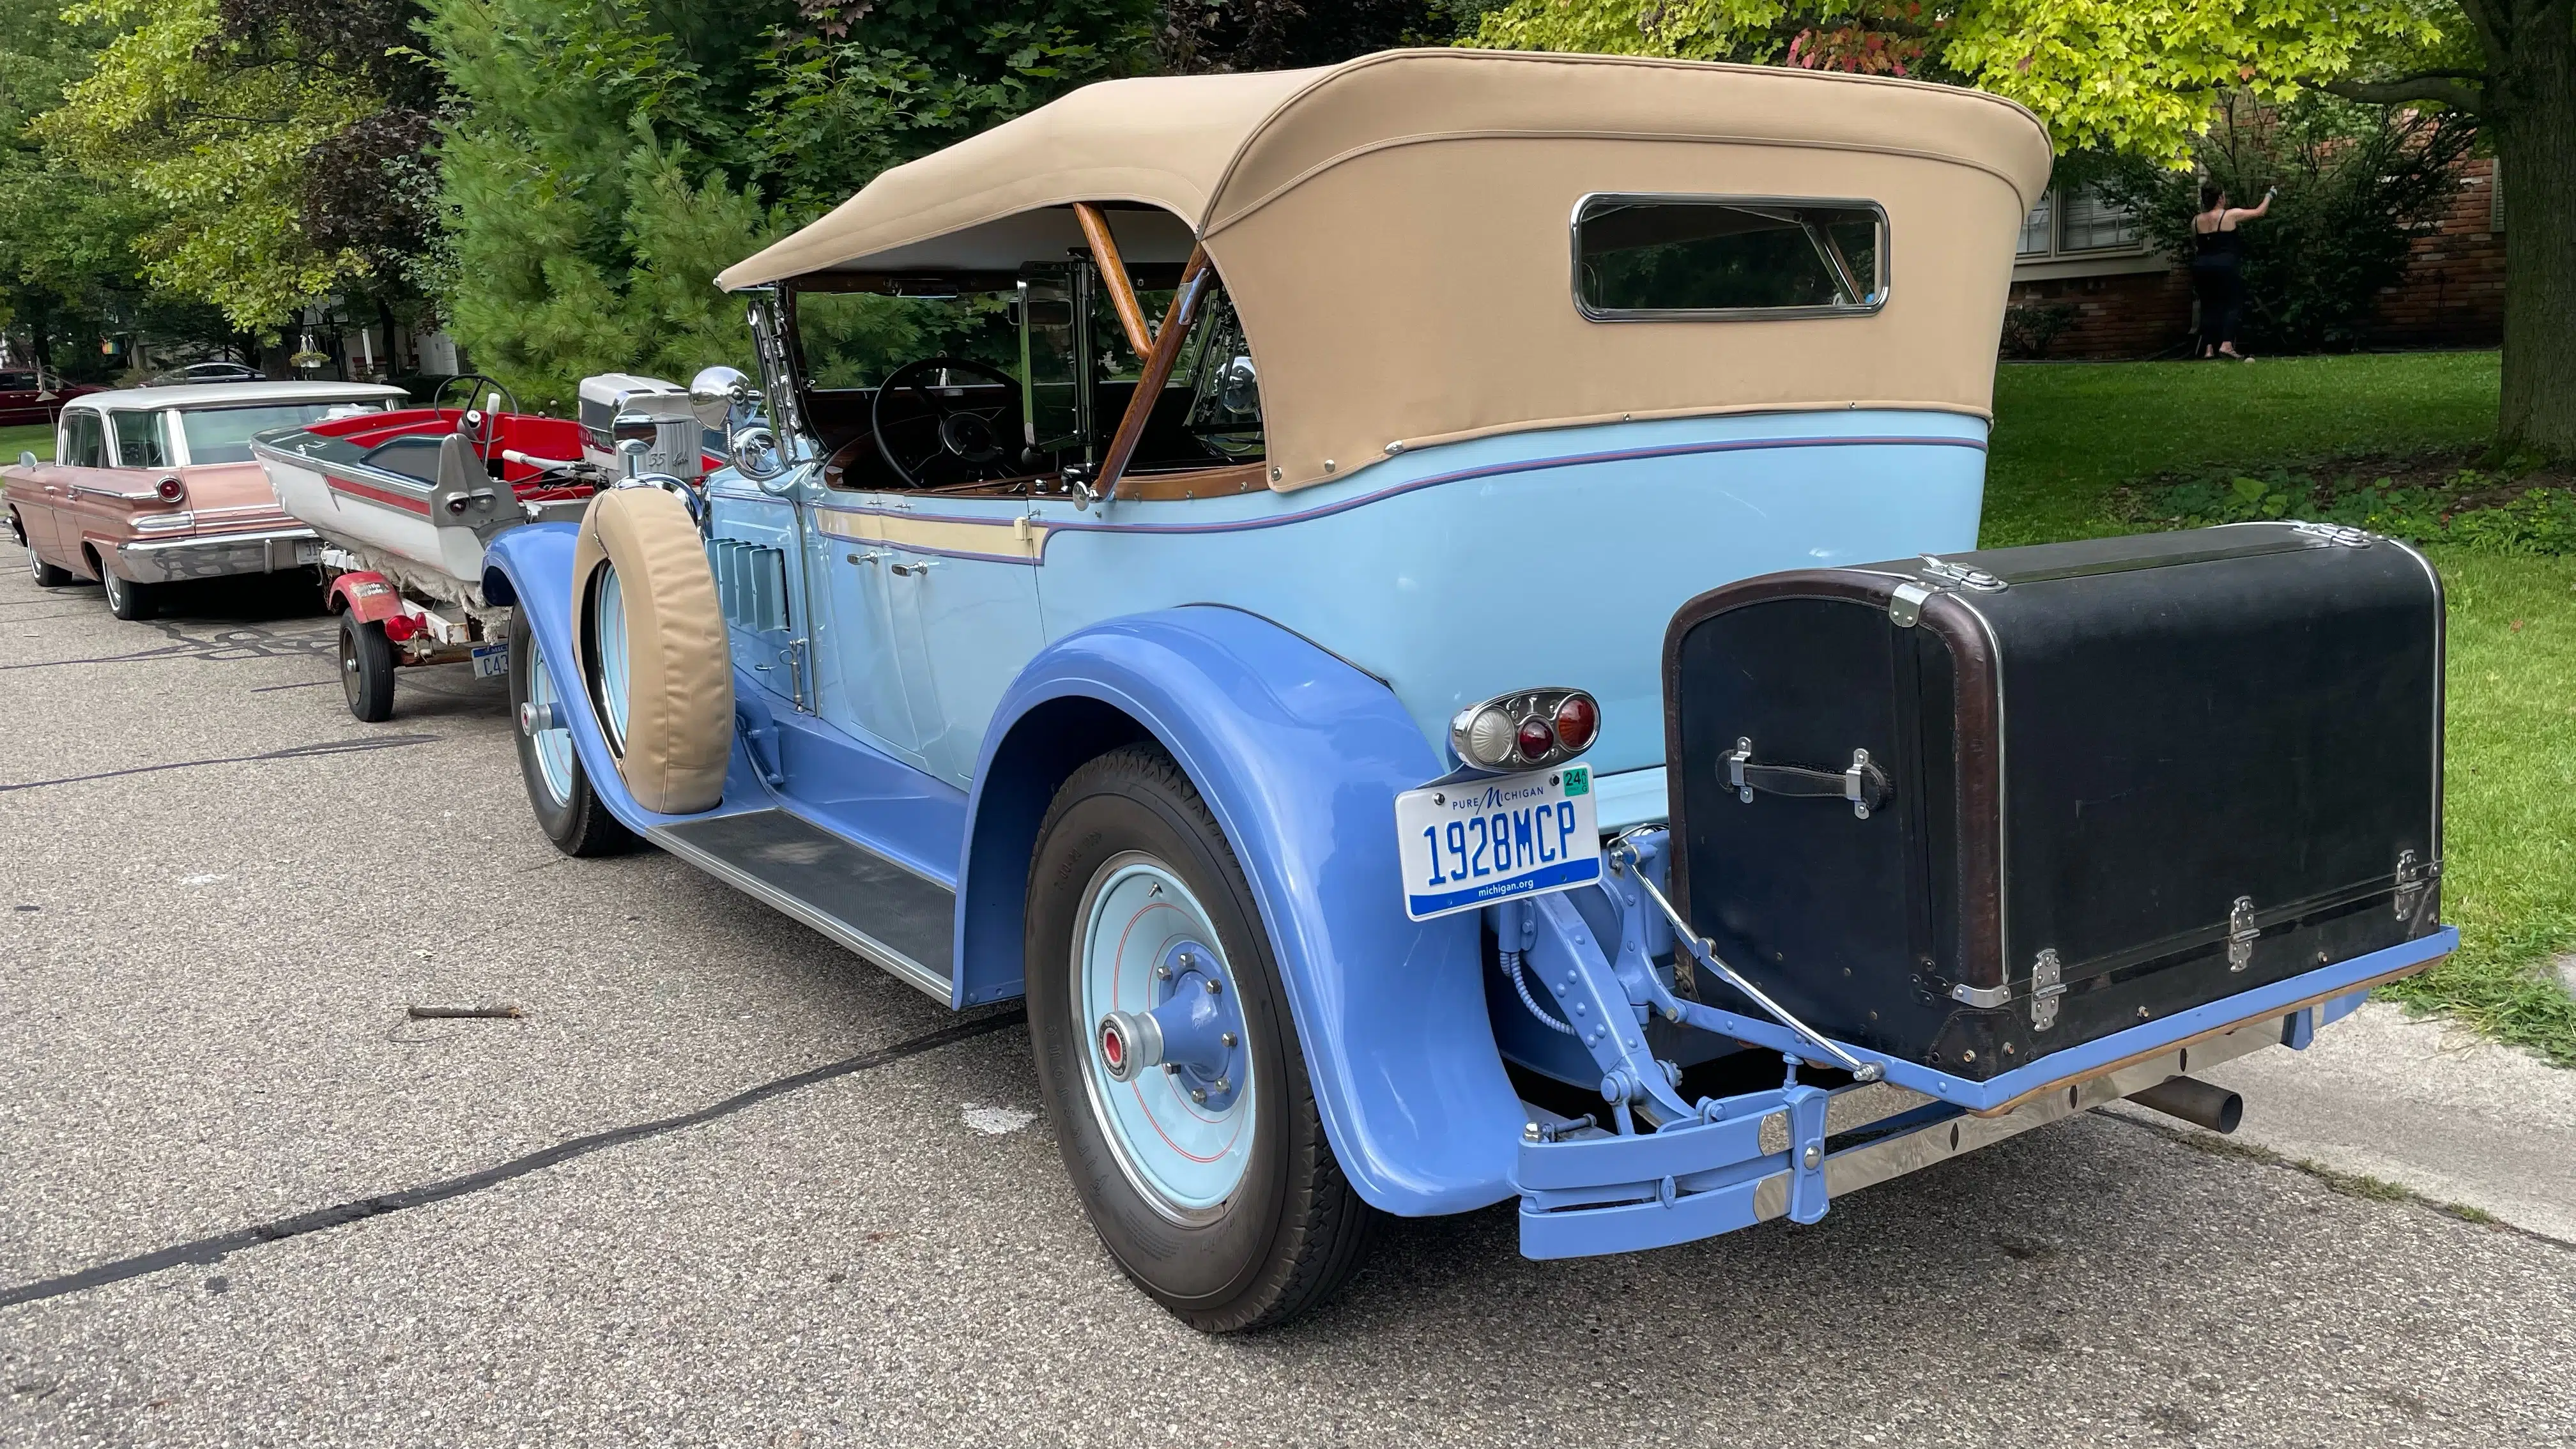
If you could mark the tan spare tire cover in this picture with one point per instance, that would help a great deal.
(679, 698)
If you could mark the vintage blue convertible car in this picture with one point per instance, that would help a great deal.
(1275, 697)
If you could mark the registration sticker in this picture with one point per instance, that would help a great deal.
(1474, 842)
(491, 661)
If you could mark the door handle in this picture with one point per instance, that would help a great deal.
(913, 570)
(866, 558)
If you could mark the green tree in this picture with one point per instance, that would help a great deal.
(604, 159)
(2143, 80)
(218, 146)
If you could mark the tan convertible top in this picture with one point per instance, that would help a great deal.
(1396, 232)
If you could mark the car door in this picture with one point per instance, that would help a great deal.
(962, 615)
(52, 527)
(859, 681)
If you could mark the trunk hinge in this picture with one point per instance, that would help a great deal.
(2415, 878)
(2241, 933)
(2046, 985)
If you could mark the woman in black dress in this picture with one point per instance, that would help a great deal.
(2217, 268)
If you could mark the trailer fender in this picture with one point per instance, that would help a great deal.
(1300, 756)
(369, 598)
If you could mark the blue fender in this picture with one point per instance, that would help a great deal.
(1300, 755)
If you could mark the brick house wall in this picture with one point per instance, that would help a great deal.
(2136, 304)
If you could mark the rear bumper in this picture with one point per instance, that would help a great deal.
(214, 556)
(1786, 1153)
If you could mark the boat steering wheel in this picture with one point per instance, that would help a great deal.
(480, 428)
(965, 435)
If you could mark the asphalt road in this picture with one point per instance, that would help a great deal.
(217, 905)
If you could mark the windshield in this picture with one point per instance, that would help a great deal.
(222, 435)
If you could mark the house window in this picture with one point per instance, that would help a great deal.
(2070, 223)
(2039, 229)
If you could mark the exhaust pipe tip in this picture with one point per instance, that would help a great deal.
(2194, 1101)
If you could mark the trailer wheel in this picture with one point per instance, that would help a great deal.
(127, 599)
(568, 810)
(366, 669)
(1205, 1170)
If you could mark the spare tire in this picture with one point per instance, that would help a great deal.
(654, 658)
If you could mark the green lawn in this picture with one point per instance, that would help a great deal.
(29, 437)
(2074, 444)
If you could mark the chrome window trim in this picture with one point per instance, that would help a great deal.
(1574, 248)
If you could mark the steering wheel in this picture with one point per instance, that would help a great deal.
(966, 436)
(485, 435)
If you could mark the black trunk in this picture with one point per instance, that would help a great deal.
(1976, 812)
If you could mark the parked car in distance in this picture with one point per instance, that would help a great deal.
(150, 486)
(205, 372)
(25, 396)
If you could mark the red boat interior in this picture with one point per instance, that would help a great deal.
(494, 434)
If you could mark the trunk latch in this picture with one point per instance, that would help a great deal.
(2046, 986)
(2241, 933)
(2415, 879)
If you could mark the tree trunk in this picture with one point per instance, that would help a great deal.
(2531, 113)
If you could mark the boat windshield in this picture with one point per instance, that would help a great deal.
(222, 435)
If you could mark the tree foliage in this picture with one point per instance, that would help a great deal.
(2103, 74)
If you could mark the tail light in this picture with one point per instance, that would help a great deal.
(399, 627)
(171, 489)
(1526, 730)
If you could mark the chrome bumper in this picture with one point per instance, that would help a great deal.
(215, 556)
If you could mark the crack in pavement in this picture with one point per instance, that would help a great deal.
(245, 642)
(205, 1251)
(292, 752)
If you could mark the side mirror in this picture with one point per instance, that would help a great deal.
(716, 392)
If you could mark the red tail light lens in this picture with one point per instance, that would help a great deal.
(170, 489)
(1577, 720)
(1536, 739)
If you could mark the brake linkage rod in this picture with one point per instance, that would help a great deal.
(1704, 951)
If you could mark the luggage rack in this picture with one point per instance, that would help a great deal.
(1664, 1170)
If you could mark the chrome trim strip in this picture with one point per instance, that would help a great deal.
(1886, 273)
(217, 541)
(893, 962)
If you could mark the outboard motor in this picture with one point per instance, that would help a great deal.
(618, 407)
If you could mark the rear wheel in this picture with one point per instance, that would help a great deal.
(559, 790)
(127, 599)
(366, 669)
(1206, 1172)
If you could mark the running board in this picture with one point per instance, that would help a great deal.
(830, 884)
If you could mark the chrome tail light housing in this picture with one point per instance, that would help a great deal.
(1528, 729)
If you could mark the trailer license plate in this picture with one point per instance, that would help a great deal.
(491, 661)
(1476, 842)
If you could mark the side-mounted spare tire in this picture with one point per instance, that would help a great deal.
(653, 653)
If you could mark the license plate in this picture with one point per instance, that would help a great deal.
(308, 550)
(491, 661)
(1476, 842)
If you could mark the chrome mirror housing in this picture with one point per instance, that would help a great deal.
(717, 392)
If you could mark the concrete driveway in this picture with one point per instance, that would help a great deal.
(724, 1184)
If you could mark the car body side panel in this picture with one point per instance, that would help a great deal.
(1471, 569)
(1300, 757)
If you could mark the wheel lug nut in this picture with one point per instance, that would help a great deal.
(1226, 1037)
(1223, 1084)
(1162, 973)
(1212, 987)
(1198, 1094)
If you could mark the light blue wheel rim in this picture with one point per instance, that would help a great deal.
(612, 656)
(1183, 1159)
(554, 744)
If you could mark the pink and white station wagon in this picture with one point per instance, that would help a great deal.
(151, 486)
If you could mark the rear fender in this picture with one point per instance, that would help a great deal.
(1300, 756)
